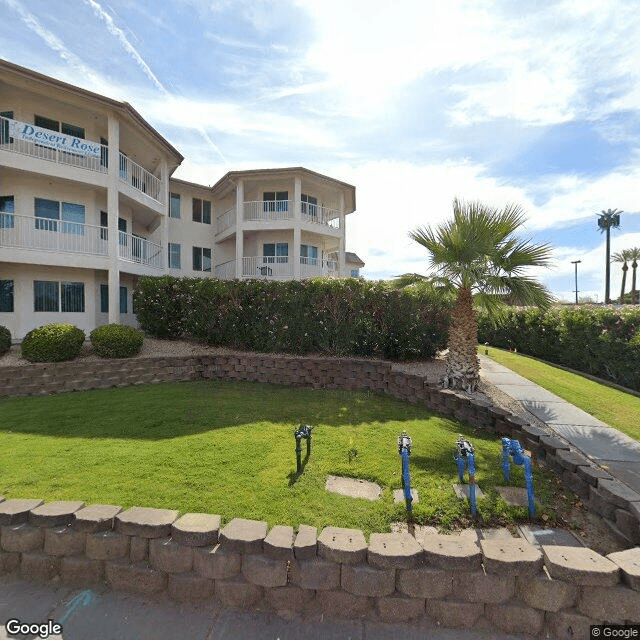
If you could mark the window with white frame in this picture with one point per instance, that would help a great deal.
(6, 212)
(52, 215)
(275, 201)
(308, 254)
(275, 252)
(201, 211)
(47, 296)
(174, 255)
(174, 207)
(201, 259)
(355, 273)
(63, 127)
(309, 205)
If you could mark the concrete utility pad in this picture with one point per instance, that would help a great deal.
(538, 536)
(398, 495)
(462, 491)
(560, 413)
(600, 443)
(515, 496)
(353, 487)
(627, 472)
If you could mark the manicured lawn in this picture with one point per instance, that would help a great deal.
(617, 408)
(228, 448)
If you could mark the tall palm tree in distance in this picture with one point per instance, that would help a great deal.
(634, 256)
(477, 255)
(606, 220)
(622, 256)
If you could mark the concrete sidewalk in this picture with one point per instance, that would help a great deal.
(616, 452)
(107, 615)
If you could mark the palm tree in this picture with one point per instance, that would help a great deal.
(622, 256)
(606, 221)
(476, 254)
(634, 256)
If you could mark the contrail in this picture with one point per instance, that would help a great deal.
(131, 50)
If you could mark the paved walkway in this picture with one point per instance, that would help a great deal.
(603, 444)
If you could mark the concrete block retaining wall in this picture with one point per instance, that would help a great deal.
(243, 564)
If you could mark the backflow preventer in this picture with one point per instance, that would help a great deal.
(464, 455)
(404, 449)
(513, 449)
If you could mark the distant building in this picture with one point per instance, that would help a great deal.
(353, 264)
(87, 205)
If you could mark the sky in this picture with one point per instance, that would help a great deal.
(414, 102)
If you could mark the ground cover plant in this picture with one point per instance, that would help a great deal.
(228, 448)
(617, 408)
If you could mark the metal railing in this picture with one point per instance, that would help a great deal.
(267, 267)
(42, 152)
(316, 267)
(139, 178)
(319, 214)
(266, 210)
(44, 234)
(133, 248)
(226, 270)
(226, 220)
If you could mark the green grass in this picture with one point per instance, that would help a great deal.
(228, 448)
(617, 408)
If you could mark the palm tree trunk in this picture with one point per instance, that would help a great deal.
(463, 366)
(625, 268)
(634, 266)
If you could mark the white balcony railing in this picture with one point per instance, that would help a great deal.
(315, 267)
(266, 210)
(276, 267)
(319, 214)
(133, 248)
(226, 220)
(226, 270)
(9, 142)
(43, 234)
(139, 178)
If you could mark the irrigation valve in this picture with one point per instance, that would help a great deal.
(404, 442)
(512, 449)
(404, 449)
(465, 455)
(303, 431)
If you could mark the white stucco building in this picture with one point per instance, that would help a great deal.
(87, 205)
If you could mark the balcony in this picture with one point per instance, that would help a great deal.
(59, 236)
(226, 220)
(318, 214)
(276, 268)
(140, 179)
(20, 137)
(277, 210)
(132, 248)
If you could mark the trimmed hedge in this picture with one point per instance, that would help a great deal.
(116, 341)
(325, 316)
(52, 343)
(5, 340)
(601, 341)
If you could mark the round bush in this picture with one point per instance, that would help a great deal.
(116, 341)
(52, 343)
(5, 340)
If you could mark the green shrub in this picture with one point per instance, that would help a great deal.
(116, 341)
(325, 316)
(601, 341)
(52, 343)
(5, 340)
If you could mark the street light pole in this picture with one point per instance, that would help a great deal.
(576, 263)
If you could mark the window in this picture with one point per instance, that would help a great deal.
(174, 256)
(201, 211)
(4, 129)
(309, 205)
(355, 273)
(275, 201)
(201, 259)
(104, 223)
(104, 298)
(123, 300)
(6, 212)
(72, 294)
(275, 252)
(104, 152)
(48, 212)
(174, 208)
(6, 296)
(122, 229)
(308, 254)
(54, 125)
(45, 295)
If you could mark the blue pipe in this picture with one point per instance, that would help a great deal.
(460, 463)
(465, 452)
(406, 479)
(514, 449)
(472, 483)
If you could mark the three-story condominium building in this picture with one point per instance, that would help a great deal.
(87, 205)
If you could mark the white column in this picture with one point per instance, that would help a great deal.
(297, 218)
(297, 198)
(113, 211)
(164, 220)
(341, 246)
(239, 227)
